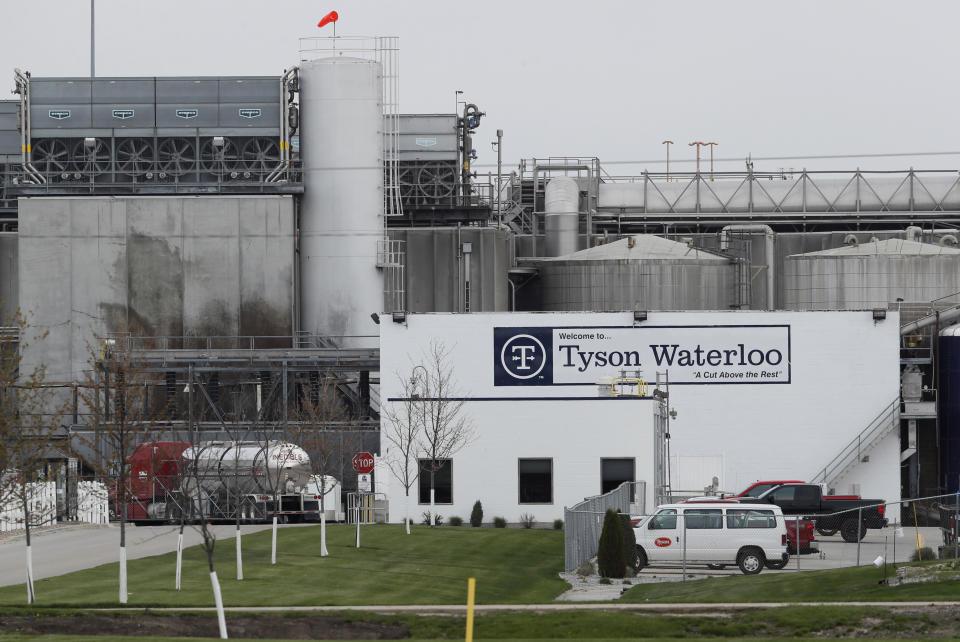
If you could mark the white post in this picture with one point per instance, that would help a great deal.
(406, 510)
(179, 558)
(273, 543)
(31, 596)
(123, 575)
(239, 556)
(218, 599)
(323, 534)
(433, 509)
(358, 526)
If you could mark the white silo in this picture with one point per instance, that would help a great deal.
(341, 218)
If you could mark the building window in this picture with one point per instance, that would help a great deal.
(614, 472)
(442, 481)
(535, 481)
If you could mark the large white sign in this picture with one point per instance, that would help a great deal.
(708, 354)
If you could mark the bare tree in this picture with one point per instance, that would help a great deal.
(115, 394)
(446, 429)
(323, 428)
(28, 420)
(404, 423)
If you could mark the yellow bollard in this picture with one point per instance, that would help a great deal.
(471, 590)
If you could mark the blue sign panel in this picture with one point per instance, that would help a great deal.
(59, 114)
(250, 112)
(187, 113)
(123, 114)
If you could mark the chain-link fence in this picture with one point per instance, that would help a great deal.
(583, 522)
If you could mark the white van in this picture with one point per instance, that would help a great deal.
(715, 533)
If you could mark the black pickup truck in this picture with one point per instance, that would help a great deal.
(831, 513)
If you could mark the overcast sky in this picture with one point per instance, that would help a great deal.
(605, 78)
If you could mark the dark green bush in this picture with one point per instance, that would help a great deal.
(611, 555)
(558, 524)
(925, 553)
(476, 515)
(499, 522)
(456, 521)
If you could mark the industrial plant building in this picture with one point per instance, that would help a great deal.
(260, 237)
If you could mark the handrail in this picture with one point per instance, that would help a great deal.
(859, 442)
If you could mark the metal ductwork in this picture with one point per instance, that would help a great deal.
(562, 219)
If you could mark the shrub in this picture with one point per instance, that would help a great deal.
(586, 569)
(456, 521)
(605, 580)
(499, 522)
(527, 520)
(925, 553)
(611, 556)
(426, 519)
(558, 524)
(476, 515)
(948, 552)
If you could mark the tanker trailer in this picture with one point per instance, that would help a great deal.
(224, 478)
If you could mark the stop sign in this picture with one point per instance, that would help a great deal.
(363, 463)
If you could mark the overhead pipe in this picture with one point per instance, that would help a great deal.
(288, 84)
(768, 249)
(22, 81)
(937, 317)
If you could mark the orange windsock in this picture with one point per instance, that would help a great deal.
(327, 19)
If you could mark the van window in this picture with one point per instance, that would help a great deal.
(703, 518)
(749, 518)
(665, 519)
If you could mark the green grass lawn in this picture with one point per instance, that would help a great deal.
(860, 584)
(431, 566)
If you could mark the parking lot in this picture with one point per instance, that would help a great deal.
(892, 543)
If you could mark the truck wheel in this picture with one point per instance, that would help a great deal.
(826, 532)
(750, 560)
(640, 560)
(776, 565)
(852, 530)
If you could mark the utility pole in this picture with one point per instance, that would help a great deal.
(711, 146)
(668, 143)
(93, 71)
(698, 144)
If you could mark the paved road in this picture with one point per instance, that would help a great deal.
(74, 548)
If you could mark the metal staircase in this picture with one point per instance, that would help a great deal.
(855, 451)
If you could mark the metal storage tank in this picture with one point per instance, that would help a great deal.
(341, 218)
(642, 272)
(435, 273)
(949, 393)
(870, 275)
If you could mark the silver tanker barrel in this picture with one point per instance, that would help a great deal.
(242, 467)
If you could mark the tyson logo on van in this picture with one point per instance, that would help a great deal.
(663, 542)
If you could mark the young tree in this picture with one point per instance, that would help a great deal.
(29, 418)
(116, 400)
(446, 429)
(404, 422)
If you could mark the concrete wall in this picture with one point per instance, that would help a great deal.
(835, 373)
(9, 291)
(157, 266)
